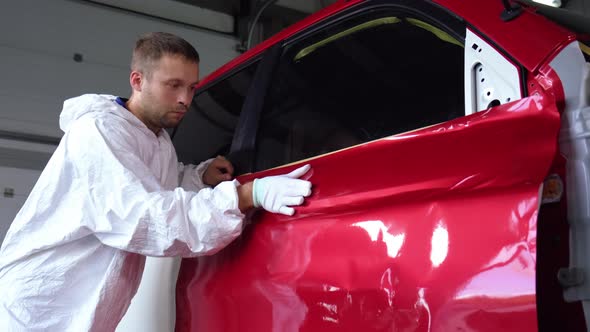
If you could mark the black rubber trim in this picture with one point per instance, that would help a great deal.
(229, 73)
(243, 144)
(426, 10)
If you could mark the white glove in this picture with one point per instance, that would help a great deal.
(277, 193)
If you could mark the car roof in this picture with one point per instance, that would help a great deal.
(530, 39)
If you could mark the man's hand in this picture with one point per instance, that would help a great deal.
(219, 170)
(279, 193)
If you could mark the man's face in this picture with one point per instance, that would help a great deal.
(167, 93)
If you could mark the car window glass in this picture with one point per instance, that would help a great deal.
(207, 130)
(364, 80)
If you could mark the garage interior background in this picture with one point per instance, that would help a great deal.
(56, 49)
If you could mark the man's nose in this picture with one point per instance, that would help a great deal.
(186, 98)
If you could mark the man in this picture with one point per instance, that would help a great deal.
(113, 193)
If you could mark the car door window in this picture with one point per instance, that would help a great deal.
(371, 77)
(207, 130)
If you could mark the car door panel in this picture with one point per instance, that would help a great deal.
(433, 229)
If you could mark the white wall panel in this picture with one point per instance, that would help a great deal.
(38, 40)
(20, 182)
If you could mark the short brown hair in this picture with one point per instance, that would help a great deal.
(150, 48)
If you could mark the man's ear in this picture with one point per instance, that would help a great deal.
(135, 79)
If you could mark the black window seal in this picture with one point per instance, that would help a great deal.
(229, 73)
(244, 140)
(431, 12)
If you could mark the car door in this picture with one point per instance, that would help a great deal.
(421, 218)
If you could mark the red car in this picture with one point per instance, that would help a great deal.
(450, 145)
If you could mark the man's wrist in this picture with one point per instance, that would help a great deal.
(245, 196)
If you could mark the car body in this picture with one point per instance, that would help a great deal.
(449, 167)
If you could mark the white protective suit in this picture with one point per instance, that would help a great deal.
(74, 255)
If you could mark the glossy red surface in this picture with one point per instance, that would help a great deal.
(432, 230)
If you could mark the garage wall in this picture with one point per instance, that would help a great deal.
(38, 43)
(16, 185)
